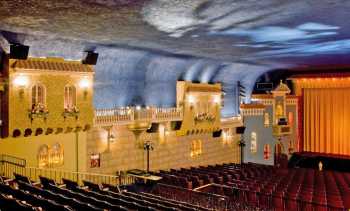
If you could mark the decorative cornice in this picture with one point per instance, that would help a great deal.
(252, 106)
(51, 65)
(203, 89)
(317, 83)
(262, 96)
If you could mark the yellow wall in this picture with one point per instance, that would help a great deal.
(197, 99)
(28, 147)
(19, 106)
(173, 152)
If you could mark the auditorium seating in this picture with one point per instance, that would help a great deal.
(311, 160)
(268, 187)
(227, 186)
(70, 196)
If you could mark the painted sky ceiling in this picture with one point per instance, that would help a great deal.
(145, 46)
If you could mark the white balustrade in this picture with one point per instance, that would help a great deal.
(121, 116)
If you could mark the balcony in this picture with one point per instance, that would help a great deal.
(231, 122)
(124, 116)
(281, 130)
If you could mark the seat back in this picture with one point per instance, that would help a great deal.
(70, 184)
(46, 181)
(19, 177)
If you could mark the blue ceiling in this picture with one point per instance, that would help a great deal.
(145, 46)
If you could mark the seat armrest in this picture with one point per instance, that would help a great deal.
(84, 187)
(62, 186)
(36, 183)
(8, 180)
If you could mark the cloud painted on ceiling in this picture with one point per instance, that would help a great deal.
(281, 35)
(180, 17)
(307, 39)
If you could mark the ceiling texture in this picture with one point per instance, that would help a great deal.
(145, 46)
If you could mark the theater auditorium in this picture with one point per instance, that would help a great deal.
(171, 105)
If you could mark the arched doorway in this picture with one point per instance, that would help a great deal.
(280, 158)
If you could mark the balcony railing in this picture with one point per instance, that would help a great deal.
(121, 116)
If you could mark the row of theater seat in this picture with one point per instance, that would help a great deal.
(49, 196)
(268, 187)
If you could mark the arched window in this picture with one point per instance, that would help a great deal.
(56, 155)
(69, 97)
(43, 156)
(267, 151)
(38, 95)
(253, 142)
(266, 119)
(196, 148)
(199, 147)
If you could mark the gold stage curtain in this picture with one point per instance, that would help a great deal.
(327, 120)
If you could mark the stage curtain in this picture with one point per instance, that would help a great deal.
(327, 120)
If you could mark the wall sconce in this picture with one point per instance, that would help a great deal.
(84, 84)
(217, 99)
(111, 138)
(21, 82)
(191, 99)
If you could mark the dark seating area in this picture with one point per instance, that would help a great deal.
(266, 187)
(311, 160)
(215, 187)
(23, 194)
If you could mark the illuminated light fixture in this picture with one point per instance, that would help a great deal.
(84, 84)
(217, 99)
(191, 99)
(21, 82)
(111, 138)
(138, 107)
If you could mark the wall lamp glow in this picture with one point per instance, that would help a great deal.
(21, 82)
(217, 99)
(85, 84)
(191, 99)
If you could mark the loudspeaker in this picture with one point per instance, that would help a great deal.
(153, 129)
(217, 133)
(240, 130)
(18, 51)
(176, 125)
(264, 86)
(90, 58)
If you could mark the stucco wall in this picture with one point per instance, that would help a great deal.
(264, 136)
(174, 152)
(28, 147)
(19, 102)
